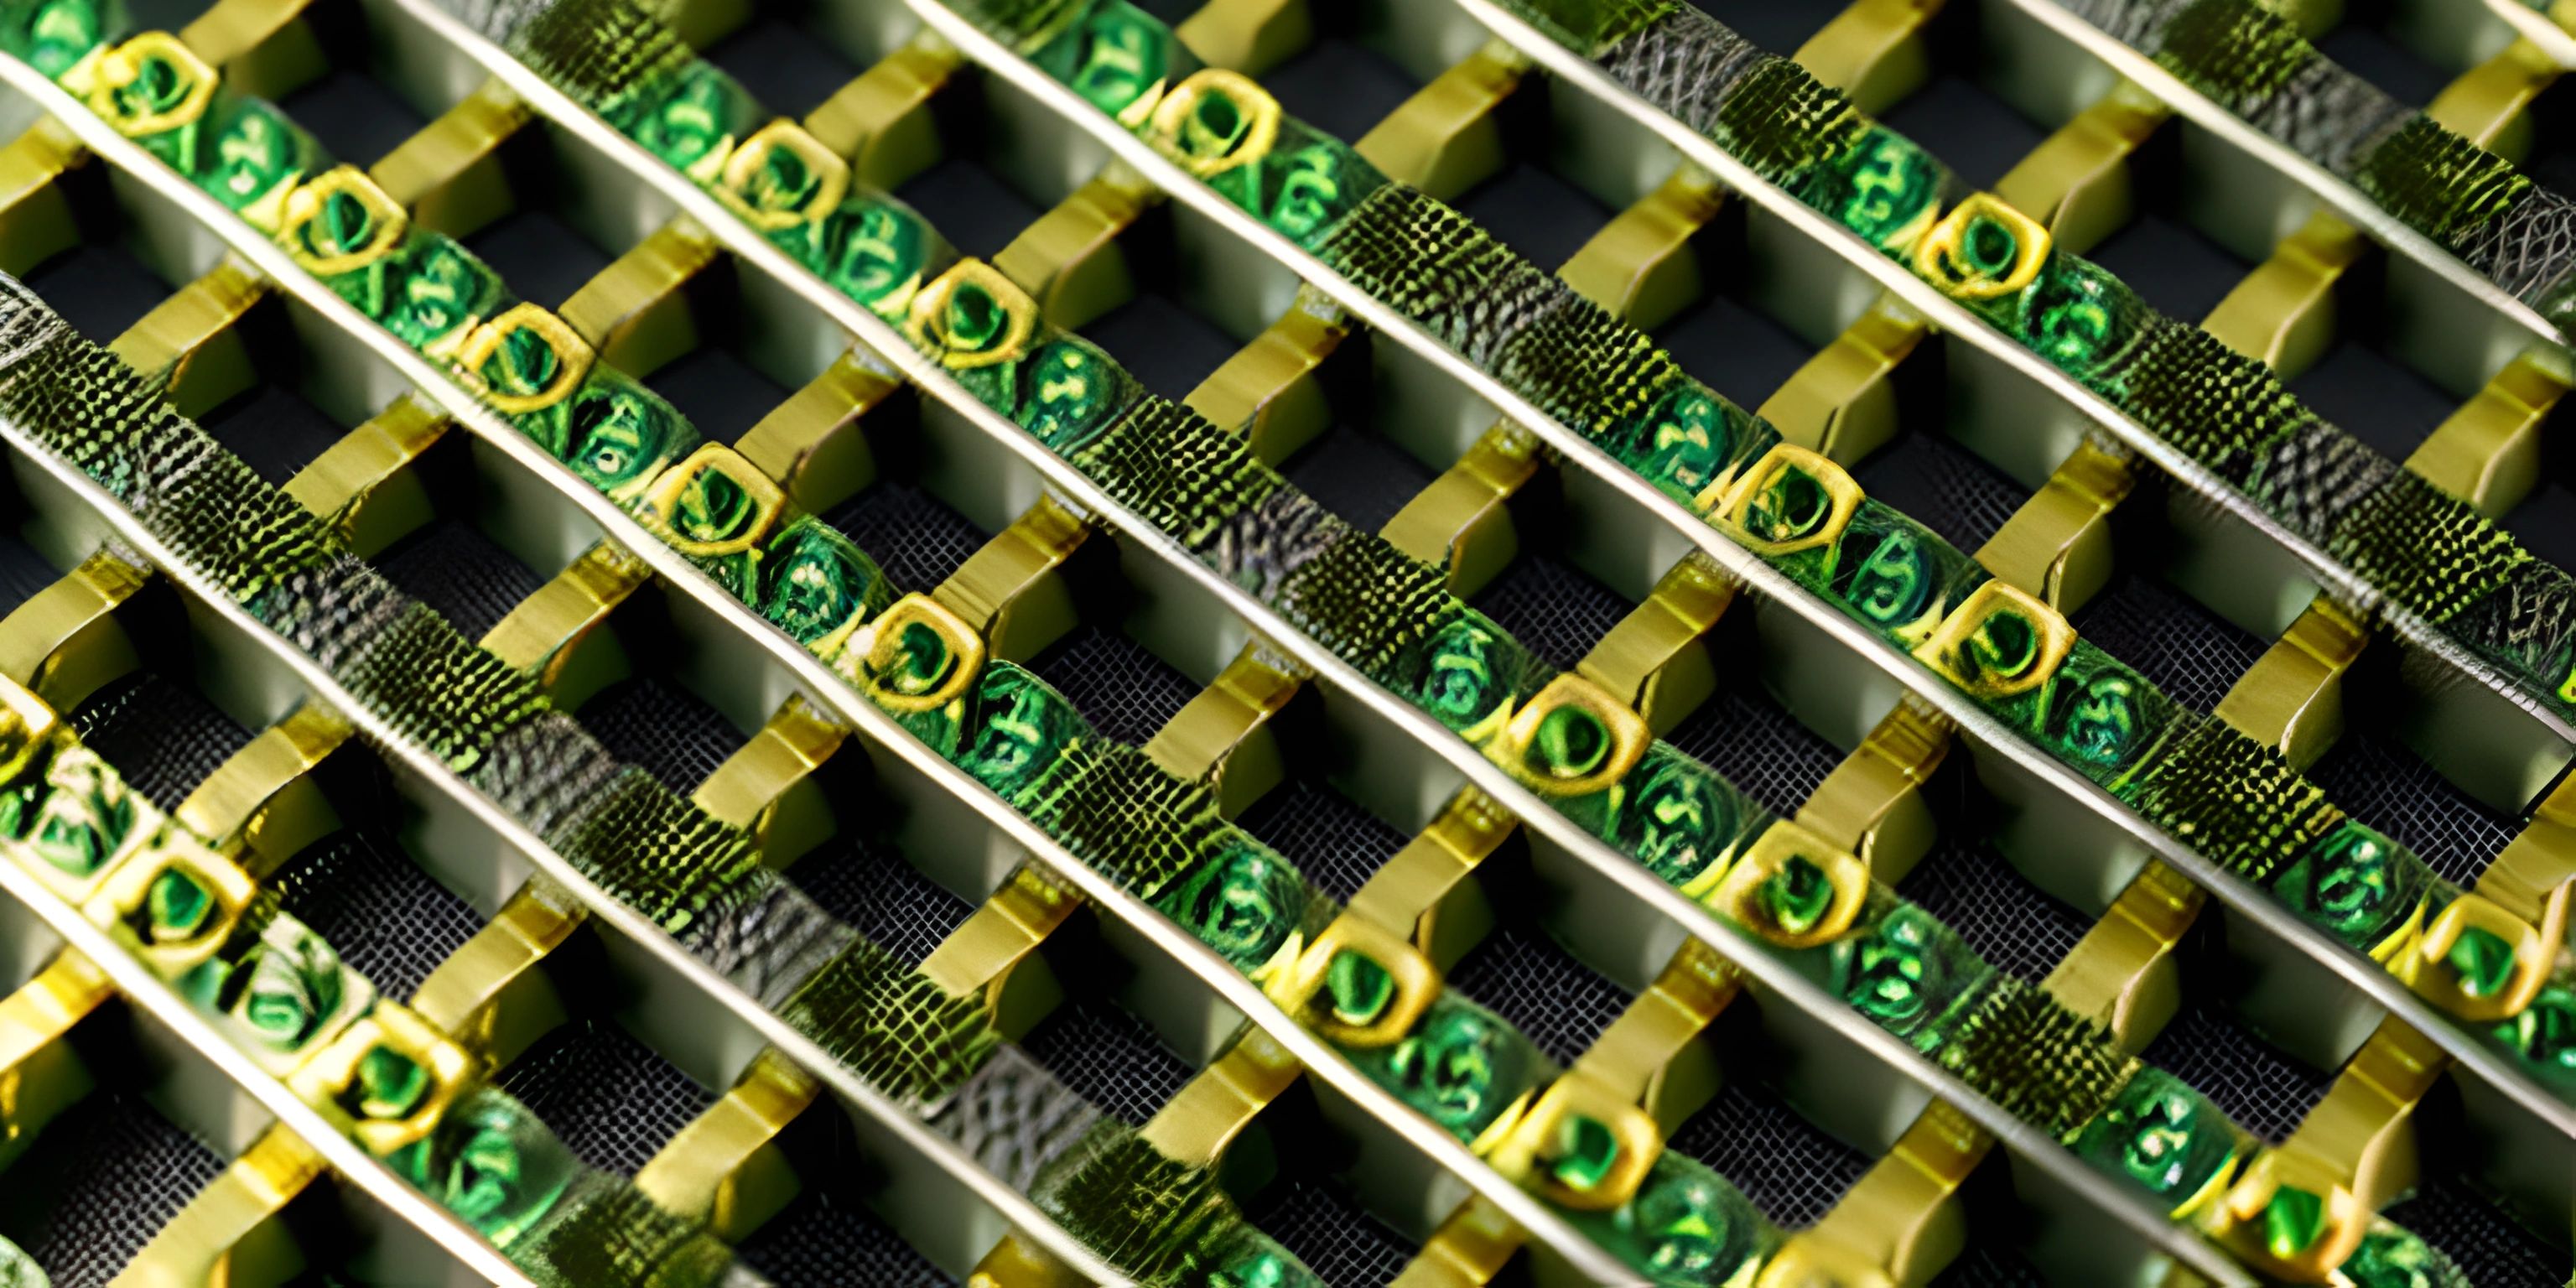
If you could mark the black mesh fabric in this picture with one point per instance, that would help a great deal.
(1790, 1168)
(2490, 1247)
(2378, 780)
(1357, 475)
(822, 1240)
(869, 886)
(273, 430)
(451, 566)
(915, 538)
(1758, 746)
(1336, 843)
(23, 572)
(1330, 1232)
(668, 730)
(162, 736)
(2257, 1085)
(1107, 1057)
(1942, 486)
(611, 1098)
(2010, 922)
(1553, 608)
(1524, 977)
(1117, 684)
(2192, 654)
(99, 1183)
(388, 919)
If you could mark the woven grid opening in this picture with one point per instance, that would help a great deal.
(663, 727)
(1733, 347)
(1359, 476)
(1788, 1166)
(2191, 653)
(1328, 1230)
(1552, 607)
(1758, 746)
(1524, 977)
(1942, 486)
(538, 254)
(100, 1181)
(794, 66)
(1971, 128)
(2374, 395)
(273, 430)
(2264, 1090)
(1339, 86)
(2174, 266)
(161, 736)
(100, 290)
(2378, 780)
(911, 534)
(23, 572)
(868, 885)
(1531, 208)
(448, 564)
(613, 1100)
(2010, 922)
(822, 1239)
(1108, 1057)
(1335, 842)
(385, 917)
(2488, 1246)
(1166, 345)
(1117, 684)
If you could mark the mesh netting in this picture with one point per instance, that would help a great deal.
(2189, 652)
(1788, 1166)
(2258, 1086)
(1337, 844)
(871, 887)
(1942, 486)
(1985, 1265)
(388, 919)
(2490, 1247)
(668, 730)
(1554, 609)
(1758, 746)
(1117, 684)
(611, 1098)
(2379, 781)
(98, 1185)
(451, 566)
(1357, 475)
(2009, 921)
(822, 1239)
(1524, 977)
(273, 430)
(23, 572)
(1107, 1057)
(914, 537)
(161, 736)
(1330, 1233)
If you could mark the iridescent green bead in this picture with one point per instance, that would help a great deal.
(921, 661)
(2544, 1034)
(1304, 186)
(619, 436)
(2161, 1136)
(1904, 971)
(2293, 1221)
(1069, 391)
(2390, 1257)
(433, 290)
(2081, 319)
(160, 86)
(1682, 443)
(55, 35)
(818, 587)
(2103, 717)
(1571, 743)
(1796, 897)
(696, 123)
(1586, 1152)
(388, 1087)
(1686, 1226)
(1677, 818)
(1357, 987)
(1462, 1066)
(289, 991)
(1465, 682)
(493, 1164)
(1020, 731)
(175, 908)
(256, 154)
(1896, 576)
(89, 816)
(2482, 960)
(1246, 903)
(874, 252)
(1115, 56)
(2354, 883)
(713, 507)
(1884, 187)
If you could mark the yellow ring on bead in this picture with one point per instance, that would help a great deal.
(1182, 131)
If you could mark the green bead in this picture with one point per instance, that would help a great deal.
(1358, 988)
(292, 991)
(257, 152)
(1069, 391)
(1686, 1226)
(1794, 506)
(694, 125)
(87, 818)
(1304, 187)
(2161, 1136)
(1022, 729)
(523, 365)
(493, 1164)
(2081, 319)
(1677, 818)
(1883, 187)
(1462, 1066)
(921, 661)
(1797, 896)
(54, 37)
(2355, 883)
(1113, 56)
(2292, 1221)
(1463, 683)
(436, 288)
(2390, 1257)
(874, 252)
(619, 436)
(1572, 742)
(389, 1085)
(159, 85)
(1682, 442)
(2483, 961)
(1905, 971)
(1586, 1152)
(2544, 1034)
(176, 907)
(1245, 904)
(2103, 717)
(817, 586)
